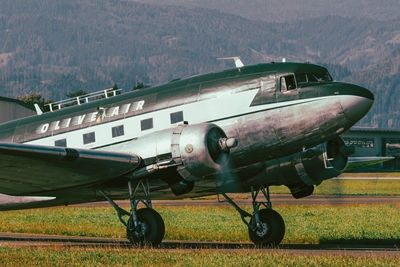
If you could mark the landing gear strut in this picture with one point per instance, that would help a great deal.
(266, 226)
(144, 226)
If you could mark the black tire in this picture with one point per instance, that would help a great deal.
(273, 228)
(155, 228)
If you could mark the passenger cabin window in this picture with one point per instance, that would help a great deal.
(117, 131)
(89, 138)
(288, 83)
(176, 117)
(146, 124)
(61, 143)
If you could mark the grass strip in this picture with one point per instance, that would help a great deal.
(358, 187)
(347, 224)
(76, 256)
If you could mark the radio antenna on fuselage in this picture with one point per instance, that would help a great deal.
(237, 61)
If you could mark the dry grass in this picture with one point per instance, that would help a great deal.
(371, 174)
(349, 187)
(81, 256)
(372, 224)
(348, 224)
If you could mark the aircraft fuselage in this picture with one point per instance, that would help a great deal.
(273, 110)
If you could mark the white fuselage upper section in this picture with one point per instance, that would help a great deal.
(215, 110)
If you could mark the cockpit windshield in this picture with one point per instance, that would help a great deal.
(322, 76)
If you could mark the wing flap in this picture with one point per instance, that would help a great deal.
(31, 169)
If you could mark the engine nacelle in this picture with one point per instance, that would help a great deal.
(196, 150)
(325, 161)
(301, 171)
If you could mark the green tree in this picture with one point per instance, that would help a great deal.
(139, 85)
(36, 98)
(76, 94)
(114, 88)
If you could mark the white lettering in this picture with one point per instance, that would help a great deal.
(140, 105)
(56, 126)
(127, 108)
(115, 112)
(67, 123)
(81, 118)
(94, 116)
(97, 116)
(45, 127)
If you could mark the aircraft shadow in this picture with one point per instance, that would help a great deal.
(362, 241)
(324, 244)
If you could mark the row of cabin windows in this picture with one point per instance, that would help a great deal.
(117, 131)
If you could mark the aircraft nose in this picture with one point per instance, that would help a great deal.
(357, 102)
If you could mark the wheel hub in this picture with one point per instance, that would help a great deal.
(262, 230)
(143, 228)
(140, 230)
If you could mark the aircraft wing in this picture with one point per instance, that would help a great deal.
(359, 162)
(33, 169)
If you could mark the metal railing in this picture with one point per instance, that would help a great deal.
(79, 100)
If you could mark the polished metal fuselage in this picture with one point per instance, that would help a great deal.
(247, 103)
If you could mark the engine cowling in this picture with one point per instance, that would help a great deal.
(301, 171)
(196, 150)
(325, 161)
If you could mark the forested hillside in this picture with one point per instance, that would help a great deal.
(294, 10)
(56, 47)
(384, 81)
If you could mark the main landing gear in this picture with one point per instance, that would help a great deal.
(266, 226)
(144, 226)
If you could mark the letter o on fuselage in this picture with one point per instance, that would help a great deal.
(44, 128)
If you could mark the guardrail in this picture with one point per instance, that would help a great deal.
(79, 100)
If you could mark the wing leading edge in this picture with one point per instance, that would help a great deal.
(359, 162)
(32, 169)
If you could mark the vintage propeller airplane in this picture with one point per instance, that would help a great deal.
(238, 130)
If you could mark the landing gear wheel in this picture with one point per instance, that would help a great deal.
(152, 228)
(272, 228)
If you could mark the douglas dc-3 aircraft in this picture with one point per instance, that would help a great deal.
(238, 130)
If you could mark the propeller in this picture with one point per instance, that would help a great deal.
(219, 145)
(338, 153)
(227, 180)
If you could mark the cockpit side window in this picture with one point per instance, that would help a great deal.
(288, 83)
(319, 77)
(301, 78)
(283, 84)
(313, 77)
